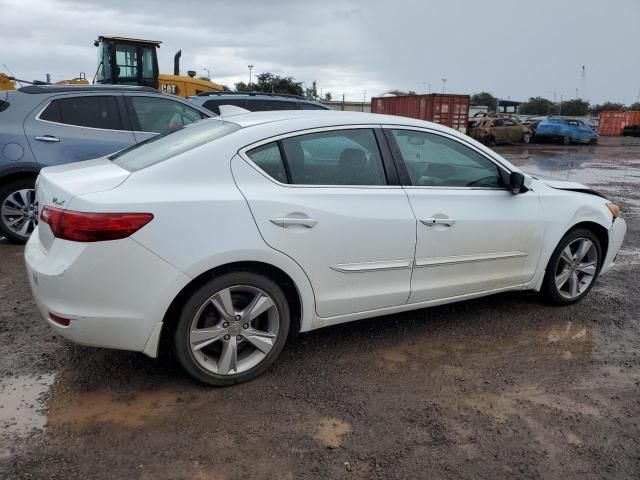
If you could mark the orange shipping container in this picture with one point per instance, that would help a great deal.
(612, 122)
(449, 110)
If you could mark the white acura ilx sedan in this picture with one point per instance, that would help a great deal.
(227, 235)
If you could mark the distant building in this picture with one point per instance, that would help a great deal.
(507, 106)
(348, 106)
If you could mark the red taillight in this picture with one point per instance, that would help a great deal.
(63, 322)
(92, 227)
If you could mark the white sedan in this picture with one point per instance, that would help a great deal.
(229, 234)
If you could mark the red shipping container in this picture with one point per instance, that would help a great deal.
(449, 110)
(612, 121)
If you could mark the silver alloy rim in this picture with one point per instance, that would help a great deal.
(19, 212)
(576, 268)
(234, 330)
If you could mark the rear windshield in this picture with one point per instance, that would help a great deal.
(162, 147)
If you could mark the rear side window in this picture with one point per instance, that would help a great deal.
(268, 158)
(162, 147)
(90, 111)
(214, 104)
(263, 105)
(161, 115)
(310, 106)
(337, 157)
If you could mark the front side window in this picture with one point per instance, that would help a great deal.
(338, 157)
(89, 111)
(161, 115)
(436, 161)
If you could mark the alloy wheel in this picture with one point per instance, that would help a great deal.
(576, 268)
(19, 212)
(234, 330)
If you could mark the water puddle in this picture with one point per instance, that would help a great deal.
(22, 407)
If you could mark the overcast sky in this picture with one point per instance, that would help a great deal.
(513, 49)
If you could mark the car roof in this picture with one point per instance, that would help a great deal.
(326, 118)
(40, 89)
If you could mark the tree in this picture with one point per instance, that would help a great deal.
(270, 83)
(596, 109)
(327, 96)
(313, 91)
(484, 99)
(574, 108)
(538, 106)
(206, 79)
(634, 106)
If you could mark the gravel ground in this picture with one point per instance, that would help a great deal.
(499, 387)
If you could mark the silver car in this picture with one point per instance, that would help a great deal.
(44, 125)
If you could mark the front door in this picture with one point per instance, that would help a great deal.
(72, 128)
(473, 234)
(324, 200)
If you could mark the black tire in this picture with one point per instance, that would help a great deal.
(565, 140)
(7, 190)
(199, 297)
(489, 141)
(549, 291)
(527, 138)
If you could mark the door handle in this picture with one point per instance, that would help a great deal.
(288, 222)
(430, 222)
(48, 138)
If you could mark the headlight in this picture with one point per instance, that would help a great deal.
(614, 209)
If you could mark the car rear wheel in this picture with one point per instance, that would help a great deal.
(232, 328)
(573, 268)
(489, 140)
(565, 140)
(18, 210)
(526, 138)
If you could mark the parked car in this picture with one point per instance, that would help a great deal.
(631, 131)
(50, 125)
(228, 234)
(493, 130)
(566, 131)
(255, 102)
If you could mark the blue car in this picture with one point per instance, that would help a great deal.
(566, 131)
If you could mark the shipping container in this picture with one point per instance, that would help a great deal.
(445, 109)
(612, 122)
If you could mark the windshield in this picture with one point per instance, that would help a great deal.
(162, 147)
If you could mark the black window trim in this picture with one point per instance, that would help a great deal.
(403, 172)
(125, 125)
(243, 153)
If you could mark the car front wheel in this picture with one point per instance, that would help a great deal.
(18, 210)
(573, 268)
(232, 328)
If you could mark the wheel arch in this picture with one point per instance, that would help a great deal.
(599, 231)
(282, 278)
(18, 173)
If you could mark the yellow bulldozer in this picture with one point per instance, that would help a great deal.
(133, 61)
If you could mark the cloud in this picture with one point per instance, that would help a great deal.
(510, 48)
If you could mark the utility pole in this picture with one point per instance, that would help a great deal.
(250, 68)
(428, 83)
(444, 81)
(560, 111)
(554, 94)
(364, 99)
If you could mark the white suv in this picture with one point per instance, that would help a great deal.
(230, 233)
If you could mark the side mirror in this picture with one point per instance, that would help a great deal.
(516, 183)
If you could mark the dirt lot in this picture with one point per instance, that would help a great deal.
(501, 387)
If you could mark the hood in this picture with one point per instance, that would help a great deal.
(571, 186)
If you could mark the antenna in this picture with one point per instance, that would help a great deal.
(583, 82)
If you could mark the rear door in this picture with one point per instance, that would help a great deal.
(154, 114)
(69, 128)
(328, 200)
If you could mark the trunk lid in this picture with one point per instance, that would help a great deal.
(56, 186)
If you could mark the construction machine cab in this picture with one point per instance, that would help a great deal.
(127, 61)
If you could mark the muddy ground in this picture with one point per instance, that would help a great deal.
(501, 387)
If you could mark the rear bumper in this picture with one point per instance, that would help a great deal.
(115, 293)
(616, 235)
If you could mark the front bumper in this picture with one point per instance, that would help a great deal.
(115, 293)
(616, 235)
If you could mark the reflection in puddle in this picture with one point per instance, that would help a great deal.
(22, 408)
